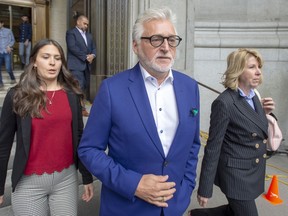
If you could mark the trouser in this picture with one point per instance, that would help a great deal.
(83, 78)
(243, 207)
(24, 52)
(234, 208)
(7, 59)
(56, 193)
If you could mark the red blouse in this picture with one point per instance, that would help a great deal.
(51, 146)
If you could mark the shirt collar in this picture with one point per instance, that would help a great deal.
(249, 96)
(146, 76)
(80, 30)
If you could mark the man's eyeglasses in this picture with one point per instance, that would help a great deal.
(158, 40)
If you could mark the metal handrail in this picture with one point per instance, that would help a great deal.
(214, 90)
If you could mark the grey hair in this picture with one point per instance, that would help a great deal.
(149, 15)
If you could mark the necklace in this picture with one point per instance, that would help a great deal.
(50, 100)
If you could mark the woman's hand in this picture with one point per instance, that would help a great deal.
(268, 104)
(1, 199)
(202, 200)
(88, 192)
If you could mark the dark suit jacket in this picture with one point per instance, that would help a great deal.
(122, 120)
(11, 123)
(236, 148)
(77, 50)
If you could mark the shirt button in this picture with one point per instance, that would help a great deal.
(161, 131)
(264, 156)
(257, 145)
(265, 141)
(257, 160)
(160, 109)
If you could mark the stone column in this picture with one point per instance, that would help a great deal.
(58, 15)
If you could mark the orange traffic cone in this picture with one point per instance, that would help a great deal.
(273, 194)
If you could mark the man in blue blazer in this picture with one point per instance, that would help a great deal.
(147, 117)
(81, 51)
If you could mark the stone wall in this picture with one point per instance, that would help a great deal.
(223, 26)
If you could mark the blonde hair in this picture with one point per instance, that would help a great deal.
(236, 64)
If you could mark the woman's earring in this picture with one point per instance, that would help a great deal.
(34, 67)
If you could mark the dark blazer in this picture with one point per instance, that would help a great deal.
(77, 50)
(122, 120)
(25, 32)
(11, 123)
(235, 154)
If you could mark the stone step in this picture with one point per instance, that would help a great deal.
(6, 80)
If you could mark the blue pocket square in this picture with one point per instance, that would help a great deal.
(193, 112)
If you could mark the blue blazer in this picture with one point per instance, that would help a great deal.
(77, 50)
(121, 120)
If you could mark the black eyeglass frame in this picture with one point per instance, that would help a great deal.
(176, 37)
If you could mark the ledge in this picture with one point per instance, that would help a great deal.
(231, 34)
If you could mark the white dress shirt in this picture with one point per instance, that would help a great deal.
(83, 35)
(164, 107)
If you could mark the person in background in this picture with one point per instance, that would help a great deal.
(235, 154)
(6, 46)
(80, 54)
(25, 37)
(44, 111)
(148, 119)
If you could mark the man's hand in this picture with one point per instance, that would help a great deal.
(88, 192)
(90, 58)
(202, 200)
(155, 189)
(9, 49)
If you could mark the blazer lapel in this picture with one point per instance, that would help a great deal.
(180, 100)
(257, 116)
(78, 34)
(141, 101)
(73, 106)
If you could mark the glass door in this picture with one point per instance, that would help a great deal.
(11, 16)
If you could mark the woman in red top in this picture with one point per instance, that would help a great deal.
(44, 110)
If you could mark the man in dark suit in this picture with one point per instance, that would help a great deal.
(81, 51)
(148, 118)
(235, 154)
(25, 38)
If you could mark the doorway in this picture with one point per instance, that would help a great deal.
(11, 16)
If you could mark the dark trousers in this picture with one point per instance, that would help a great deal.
(83, 77)
(223, 210)
(234, 208)
(243, 207)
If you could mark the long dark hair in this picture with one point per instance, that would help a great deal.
(28, 98)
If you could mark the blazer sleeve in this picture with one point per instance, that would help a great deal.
(92, 45)
(8, 127)
(74, 47)
(219, 121)
(94, 143)
(87, 177)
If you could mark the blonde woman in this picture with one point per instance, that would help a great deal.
(235, 154)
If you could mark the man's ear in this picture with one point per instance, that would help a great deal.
(135, 47)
